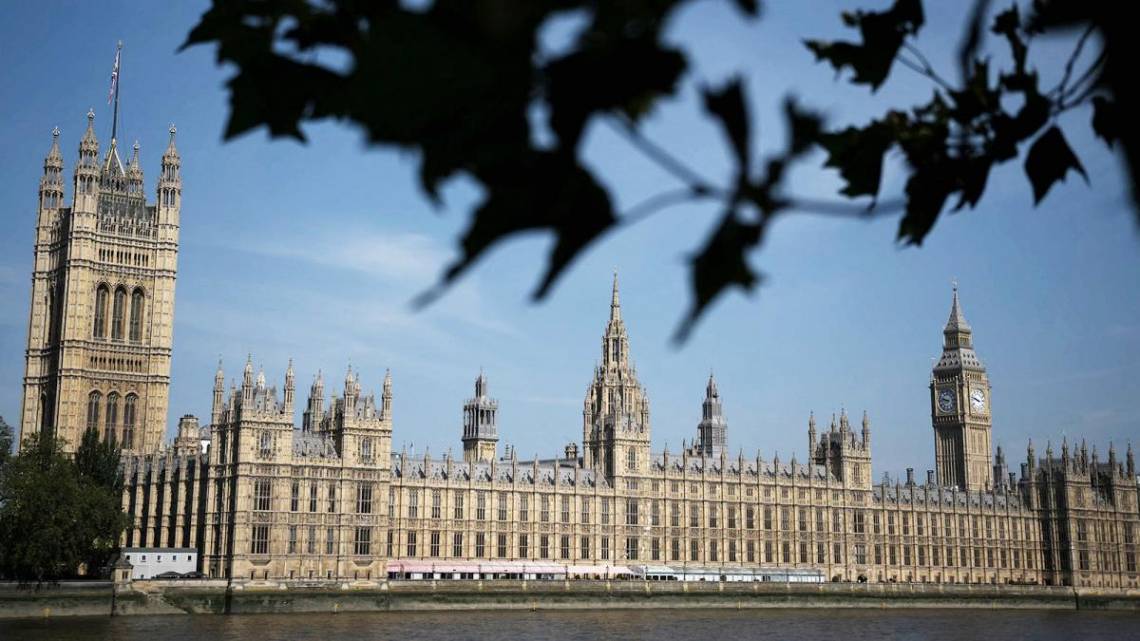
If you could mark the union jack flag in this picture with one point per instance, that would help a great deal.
(114, 76)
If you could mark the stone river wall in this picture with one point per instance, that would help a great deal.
(219, 597)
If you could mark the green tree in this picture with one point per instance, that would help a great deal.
(53, 518)
(98, 466)
(6, 440)
(457, 81)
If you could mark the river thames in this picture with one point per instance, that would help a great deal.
(615, 625)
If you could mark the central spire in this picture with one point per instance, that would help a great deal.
(615, 301)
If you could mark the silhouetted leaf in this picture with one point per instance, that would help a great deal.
(1049, 159)
(258, 97)
(883, 33)
(973, 174)
(858, 155)
(805, 127)
(1106, 119)
(926, 192)
(627, 75)
(976, 97)
(545, 191)
(728, 106)
(720, 264)
(748, 7)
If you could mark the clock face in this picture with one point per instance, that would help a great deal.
(978, 400)
(946, 400)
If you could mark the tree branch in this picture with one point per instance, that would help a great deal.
(665, 199)
(667, 161)
(845, 210)
(1060, 88)
(923, 66)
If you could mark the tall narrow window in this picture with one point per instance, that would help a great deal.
(112, 417)
(136, 315)
(93, 401)
(117, 309)
(101, 296)
(129, 417)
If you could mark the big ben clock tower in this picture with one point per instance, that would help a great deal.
(960, 409)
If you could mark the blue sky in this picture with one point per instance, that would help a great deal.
(314, 252)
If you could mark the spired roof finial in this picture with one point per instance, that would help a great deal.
(615, 300)
(957, 321)
(54, 157)
(89, 142)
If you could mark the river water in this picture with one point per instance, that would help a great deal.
(611, 625)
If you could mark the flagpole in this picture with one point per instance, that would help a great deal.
(118, 79)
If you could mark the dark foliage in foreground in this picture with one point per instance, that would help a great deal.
(455, 82)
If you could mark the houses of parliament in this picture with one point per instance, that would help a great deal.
(263, 498)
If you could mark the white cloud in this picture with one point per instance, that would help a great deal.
(391, 256)
(406, 263)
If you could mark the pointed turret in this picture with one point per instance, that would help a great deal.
(1130, 463)
(89, 144)
(170, 185)
(386, 397)
(812, 437)
(290, 389)
(712, 430)
(87, 170)
(247, 379)
(866, 429)
(349, 393)
(51, 183)
(135, 172)
(219, 392)
(315, 409)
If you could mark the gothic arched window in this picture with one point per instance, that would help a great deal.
(631, 460)
(129, 416)
(46, 427)
(101, 296)
(136, 315)
(265, 446)
(117, 310)
(112, 416)
(93, 401)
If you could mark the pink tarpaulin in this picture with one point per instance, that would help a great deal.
(502, 567)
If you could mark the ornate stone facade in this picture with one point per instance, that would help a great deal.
(331, 501)
(101, 322)
(960, 408)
